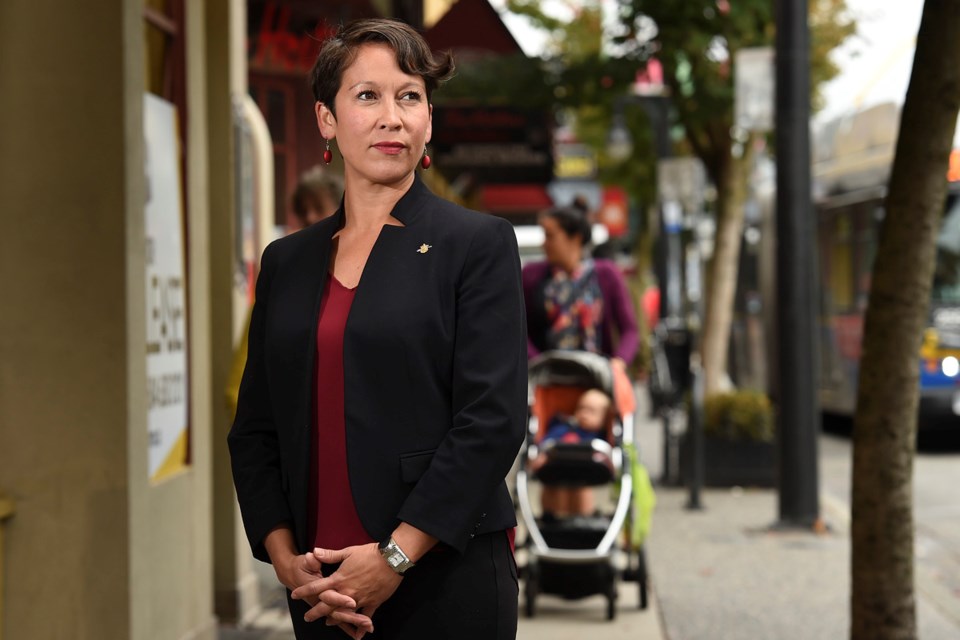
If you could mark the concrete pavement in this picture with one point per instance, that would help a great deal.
(722, 573)
(556, 619)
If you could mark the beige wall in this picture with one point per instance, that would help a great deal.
(63, 329)
(236, 586)
(94, 551)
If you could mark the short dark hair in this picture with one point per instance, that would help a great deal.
(573, 221)
(414, 56)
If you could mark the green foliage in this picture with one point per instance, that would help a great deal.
(514, 80)
(739, 415)
(697, 41)
(586, 83)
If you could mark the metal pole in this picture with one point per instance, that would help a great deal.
(666, 476)
(796, 273)
(657, 109)
(695, 434)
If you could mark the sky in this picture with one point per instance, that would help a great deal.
(875, 64)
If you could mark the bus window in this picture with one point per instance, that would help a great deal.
(946, 276)
(840, 275)
(866, 248)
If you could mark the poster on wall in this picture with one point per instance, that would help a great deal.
(244, 224)
(167, 408)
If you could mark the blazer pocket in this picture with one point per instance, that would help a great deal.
(413, 465)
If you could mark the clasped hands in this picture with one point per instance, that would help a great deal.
(350, 596)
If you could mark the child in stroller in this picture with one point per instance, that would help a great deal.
(589, 421)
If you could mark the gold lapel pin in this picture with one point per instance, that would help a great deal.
(424, 248)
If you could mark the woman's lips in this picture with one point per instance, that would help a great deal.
(390, 148)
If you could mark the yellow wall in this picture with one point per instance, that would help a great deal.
(64, 380)
(93, 550)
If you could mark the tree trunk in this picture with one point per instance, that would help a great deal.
(722, 284)
(883, 604)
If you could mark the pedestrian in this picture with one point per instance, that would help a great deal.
(574, 301)
(316, 196)
(384, 396)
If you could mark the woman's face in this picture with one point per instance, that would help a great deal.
(383, 119)
(559, 248)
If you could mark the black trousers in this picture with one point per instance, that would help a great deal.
(472, 596)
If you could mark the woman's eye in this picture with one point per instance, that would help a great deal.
(411, 96)
(366, 95)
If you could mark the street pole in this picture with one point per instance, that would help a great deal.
(668, 261)
(796, 274)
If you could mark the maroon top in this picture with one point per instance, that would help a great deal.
(332, 514)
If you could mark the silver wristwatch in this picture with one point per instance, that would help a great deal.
(394, 555)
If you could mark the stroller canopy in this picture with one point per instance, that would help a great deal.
(572, 368)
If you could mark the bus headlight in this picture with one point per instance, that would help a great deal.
(950, 366)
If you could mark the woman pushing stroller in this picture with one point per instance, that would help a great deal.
(574, 301)
(581, 334)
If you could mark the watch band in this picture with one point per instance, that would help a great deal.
(394, 555)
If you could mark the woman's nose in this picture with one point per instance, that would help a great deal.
(390, 116)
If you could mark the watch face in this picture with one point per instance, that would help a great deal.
(395, 557)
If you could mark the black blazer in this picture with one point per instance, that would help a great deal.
(435, 377)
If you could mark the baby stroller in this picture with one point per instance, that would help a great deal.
(575, 557)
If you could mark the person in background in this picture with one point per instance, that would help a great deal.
(316, 196)
(574, 301)
(384, 398)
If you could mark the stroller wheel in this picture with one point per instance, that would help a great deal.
(530, 589)
(642, 577)
(612, 599)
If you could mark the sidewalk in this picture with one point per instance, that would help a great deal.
(720, 573)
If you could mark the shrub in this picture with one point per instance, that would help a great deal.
(739, 415)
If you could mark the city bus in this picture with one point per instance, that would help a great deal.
(852, 164)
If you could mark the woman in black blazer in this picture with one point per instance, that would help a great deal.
(384, 396)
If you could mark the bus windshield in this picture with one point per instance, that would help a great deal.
(946, 277)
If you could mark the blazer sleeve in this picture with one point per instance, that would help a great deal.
(253, 442)
(624, 316)
(489, 392)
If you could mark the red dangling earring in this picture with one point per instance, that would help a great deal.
(425, 160)
(327, 155)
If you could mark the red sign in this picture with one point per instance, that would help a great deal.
(277, 45)
(613, 211)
